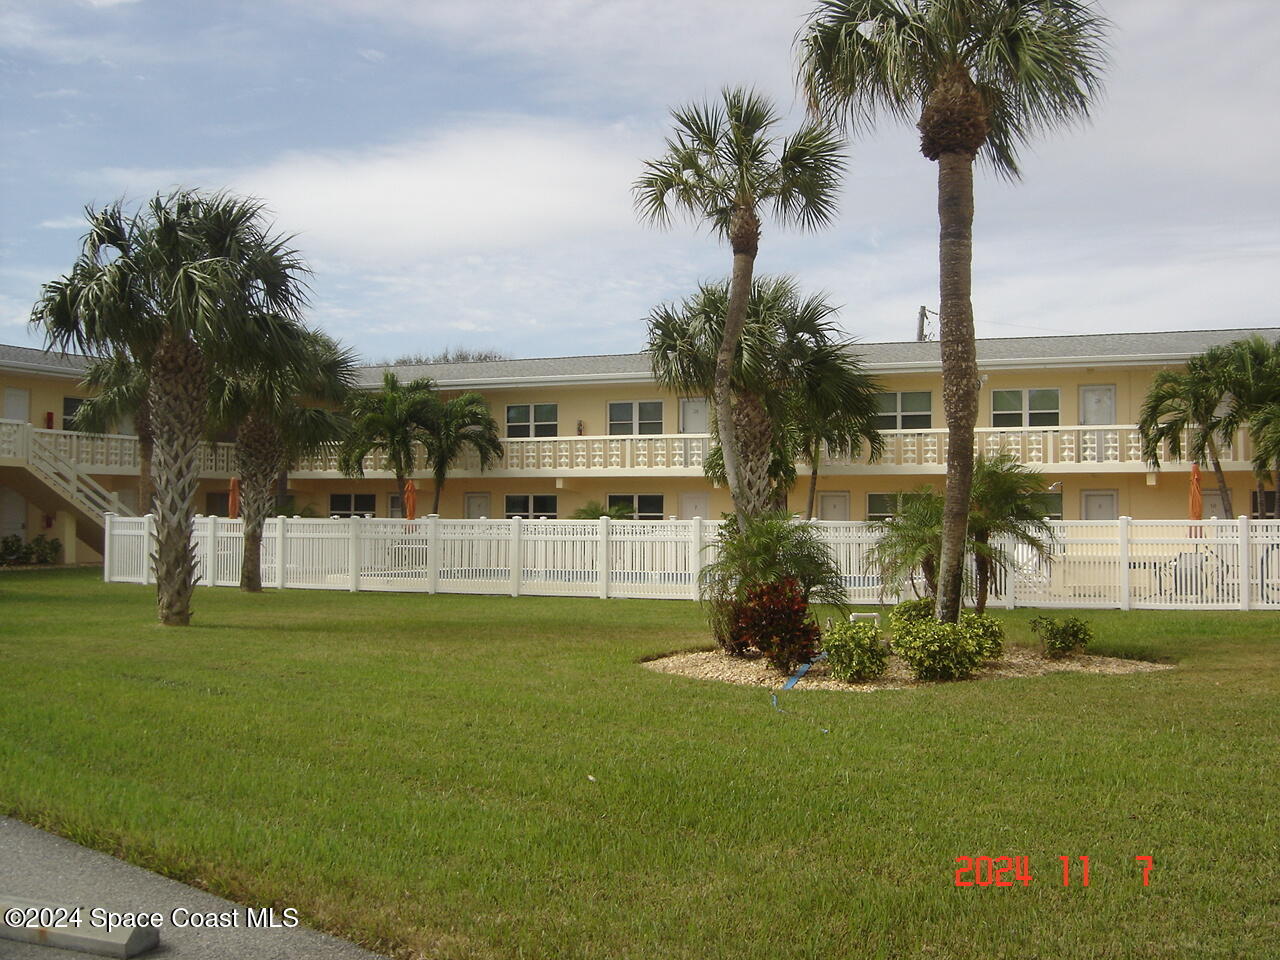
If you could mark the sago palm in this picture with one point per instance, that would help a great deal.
(120, 388)
(279, 415)
(452, 427)
(388, 420)
(979, 77)
(725, 166)
(190, 282)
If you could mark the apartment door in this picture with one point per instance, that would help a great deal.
(17, 404)
(1097, 406)
(1099, 505)
(833, 505)
(693, 416)
(13, 514)
(1212, 506)
(695, 505)
(476, 505)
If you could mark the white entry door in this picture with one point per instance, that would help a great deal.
(833, 505)
(475, 505)
(693, 415)
(695, 505)
(17, 404)
(13, 514)
(1212, 506)
(1098, 505)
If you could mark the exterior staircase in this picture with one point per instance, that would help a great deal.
(35, 468)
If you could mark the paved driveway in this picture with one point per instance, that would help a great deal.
(35, 865)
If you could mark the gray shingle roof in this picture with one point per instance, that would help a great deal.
(1165, 346)
(29, 358)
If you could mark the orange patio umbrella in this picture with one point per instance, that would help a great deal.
(1195, 498)
(410, 500)
(233, 499)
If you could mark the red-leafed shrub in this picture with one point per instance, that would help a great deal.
(774, 618)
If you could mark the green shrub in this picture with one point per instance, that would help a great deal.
(13, 552)
(855, 651)
(909, 611)
(1061, 638)
(772, 548)
(937, 651)
(775, 620)
(44, 550)
(985, 633)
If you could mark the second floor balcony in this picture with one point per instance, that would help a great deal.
(1059, 449)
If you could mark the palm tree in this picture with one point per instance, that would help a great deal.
(1248, 373)
(120, 386)
(276, 420)
(982, 76)
(190, 282)
(389, 420)
(724, 166)
(594, 510)
(451, 427)
(1186, 403)
(1008, 502)
(908, 543)
(791, 364)
(1264, 429)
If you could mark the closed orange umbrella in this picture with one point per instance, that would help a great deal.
(410, 500)
(233, 499)
(1195, 498)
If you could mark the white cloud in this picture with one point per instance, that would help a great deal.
(373, 56)
(62, 223)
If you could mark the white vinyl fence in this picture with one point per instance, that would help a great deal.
(1150, 564)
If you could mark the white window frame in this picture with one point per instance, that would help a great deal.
(876, 515)
(529, 512)
(897, 413)
(531, 424)
(635, 504)
(1024, 413)
(635, 418)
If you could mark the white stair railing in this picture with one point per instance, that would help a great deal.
(62, 474)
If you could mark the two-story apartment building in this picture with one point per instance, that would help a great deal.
(578, 429)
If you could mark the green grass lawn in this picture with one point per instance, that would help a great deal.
(413, 772)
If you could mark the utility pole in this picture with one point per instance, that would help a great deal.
(921, 319)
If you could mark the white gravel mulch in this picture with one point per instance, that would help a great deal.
(754, 671)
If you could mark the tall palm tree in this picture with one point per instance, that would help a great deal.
(390, 420)
(724, 166)
(453, 426)
(791, 362)
(120, 387)
(1264, 429)
(1008, 502)
(981, 77)
(1186, 404)
(1248, 372)
(277, 417)
(189, 282)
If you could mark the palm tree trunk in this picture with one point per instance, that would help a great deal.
(959, 368)
(146, 453)
(258, 455)
(813, 479)
(983, 584)
(1262, 497)
(1223, 490)
(754, 429)
(744, 238)
(178, 395)
(435, 500)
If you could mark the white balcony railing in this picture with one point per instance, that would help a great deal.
(1086, 449)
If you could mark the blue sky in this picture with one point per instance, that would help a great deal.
(458, 172)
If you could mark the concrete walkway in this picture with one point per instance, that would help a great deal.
(35, 865)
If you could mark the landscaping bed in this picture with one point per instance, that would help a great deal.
(752, 670)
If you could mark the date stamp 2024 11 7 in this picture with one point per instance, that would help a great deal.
(1010, 871)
